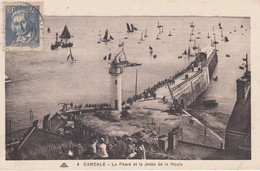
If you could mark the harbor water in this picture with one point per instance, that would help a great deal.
(42, 80)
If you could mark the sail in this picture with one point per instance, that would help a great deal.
(106, 35)
(128, 27)
(150, 48)
(105, 58)
(65, 34)
(133, 27)
(185, 52)
(109, 56)
(111, 37)
(189, 51)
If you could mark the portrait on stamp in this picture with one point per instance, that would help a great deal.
(22, 26)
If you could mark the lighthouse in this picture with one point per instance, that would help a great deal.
(115, 71)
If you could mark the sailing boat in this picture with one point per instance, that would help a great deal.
(107, 57)
(226, 39)
(241, 26)
(185, 52)
(191, 25)
(48, 30)
(170, 34)
(130, 29)
(221, 33)
(213, 31)
(194, 46)
(99, 35)
(158, 38)
(125, 62)
(208, 36)
(151, 49)
(192, 31)
(145, 33)
(121, 43)
(160, 30)
(70, 57)
(158, 26)
(219, 25)
(107, 37)
(65, 35)
(215, 42)
(7, 79)
(142, 39)
(190, 38)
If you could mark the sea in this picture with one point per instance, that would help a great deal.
(42, 80)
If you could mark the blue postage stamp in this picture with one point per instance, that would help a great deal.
(23, 26)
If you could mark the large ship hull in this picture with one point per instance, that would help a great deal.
(197, 82)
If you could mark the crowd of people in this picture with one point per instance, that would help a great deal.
(119, 148)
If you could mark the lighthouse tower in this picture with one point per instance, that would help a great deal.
(116, 70)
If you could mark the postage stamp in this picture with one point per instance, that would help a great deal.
(23, 26)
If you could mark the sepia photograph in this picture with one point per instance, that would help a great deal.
(126, 87)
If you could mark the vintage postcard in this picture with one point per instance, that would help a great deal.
(97, 85)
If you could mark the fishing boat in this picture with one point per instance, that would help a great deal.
(197, 37)
(48, 30)
(170, 34)
(7, 79)
(154, 56)
(226, 39)
(130, 29)
(107, 37)
(145, 33)
(210, 103)
(179, 57)
(70, 58)
(65, 36)
(216, 78)
(227, 55)
(208, 36)
(151, 49)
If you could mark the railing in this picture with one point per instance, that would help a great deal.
(182, 83)
(115, 71)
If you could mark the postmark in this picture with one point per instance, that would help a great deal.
(23, 26)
